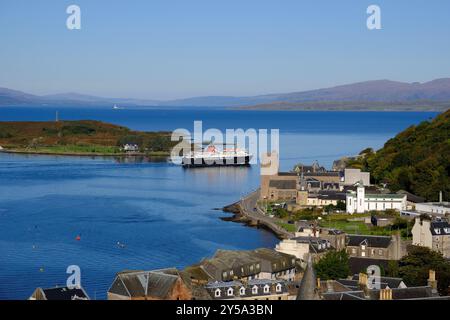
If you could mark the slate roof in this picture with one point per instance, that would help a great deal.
(411, 197)
(440, 228)
(358, 265)
(64, 293)
(370, 241)
(405, 293)
(384, 281)
(157, 283)
(352, 295)
(283, 184)
(332, 195)
(308, 285)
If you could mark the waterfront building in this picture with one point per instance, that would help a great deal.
(433, 234)
(164, 284)
(376, 247)
(130, 147)
(359, 201)
(303, 247)
(275, 265)
(229, 265)
(255, 289)
(59, 293)
(263, 263)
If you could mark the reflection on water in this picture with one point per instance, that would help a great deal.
(163, 214)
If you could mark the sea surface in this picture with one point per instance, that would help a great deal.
(161, 214)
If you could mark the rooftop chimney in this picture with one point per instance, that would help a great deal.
(330, 286)
(432, 282)
(362, 280)
(386, 294)
(440, 196)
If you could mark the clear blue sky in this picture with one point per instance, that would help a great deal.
(167, 49)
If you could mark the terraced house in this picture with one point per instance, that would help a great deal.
(375, 247)
(433, 234)
(256, 289)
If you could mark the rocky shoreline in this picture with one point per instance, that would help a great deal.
(239, 216)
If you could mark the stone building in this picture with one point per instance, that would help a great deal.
(375, 247)
(433, 234)
(245, 265)
(165, 284)
(255, 289)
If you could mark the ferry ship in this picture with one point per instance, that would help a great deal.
(211, 157)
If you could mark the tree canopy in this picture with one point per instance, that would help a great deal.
(333, 265)
(414, 268)
(416, 160)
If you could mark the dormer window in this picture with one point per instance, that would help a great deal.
(278, 287)
(242, 291)
(231, 273)
(266, 288)
(230, 292)
(255, 290)
(217, 293)
(224, 275)
(257, 266)
(251, 268)
(437, 231)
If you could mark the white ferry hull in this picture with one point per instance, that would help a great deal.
(191, 162)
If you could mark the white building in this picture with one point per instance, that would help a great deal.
(437, 208)
(360, 201)
(303, 247)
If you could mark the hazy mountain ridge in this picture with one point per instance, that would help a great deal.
(378, 94)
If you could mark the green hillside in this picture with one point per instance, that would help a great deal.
(416, 160)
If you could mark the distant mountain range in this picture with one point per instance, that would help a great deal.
(368, 95)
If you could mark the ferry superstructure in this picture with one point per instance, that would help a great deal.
(212, 156)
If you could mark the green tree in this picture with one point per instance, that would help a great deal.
(414, 268)
(333, 265)
(159, 143)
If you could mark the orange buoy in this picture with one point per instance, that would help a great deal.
(78, 238)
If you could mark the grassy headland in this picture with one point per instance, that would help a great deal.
(85, 137)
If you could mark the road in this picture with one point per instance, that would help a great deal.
(248, 204)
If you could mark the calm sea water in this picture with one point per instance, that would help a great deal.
(163, 214)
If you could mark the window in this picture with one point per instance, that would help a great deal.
(278, 287)
(217, 293)
(266, 288)
(380, 252)
(354, 251)
(255, 290)
(224, 275)
(230, 292)
(242, 291)
(231, 273)
(257, 266)
(251, 268)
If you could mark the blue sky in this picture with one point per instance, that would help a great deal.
(166, 49)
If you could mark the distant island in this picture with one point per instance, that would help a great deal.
(376, 95)
(86, 137)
